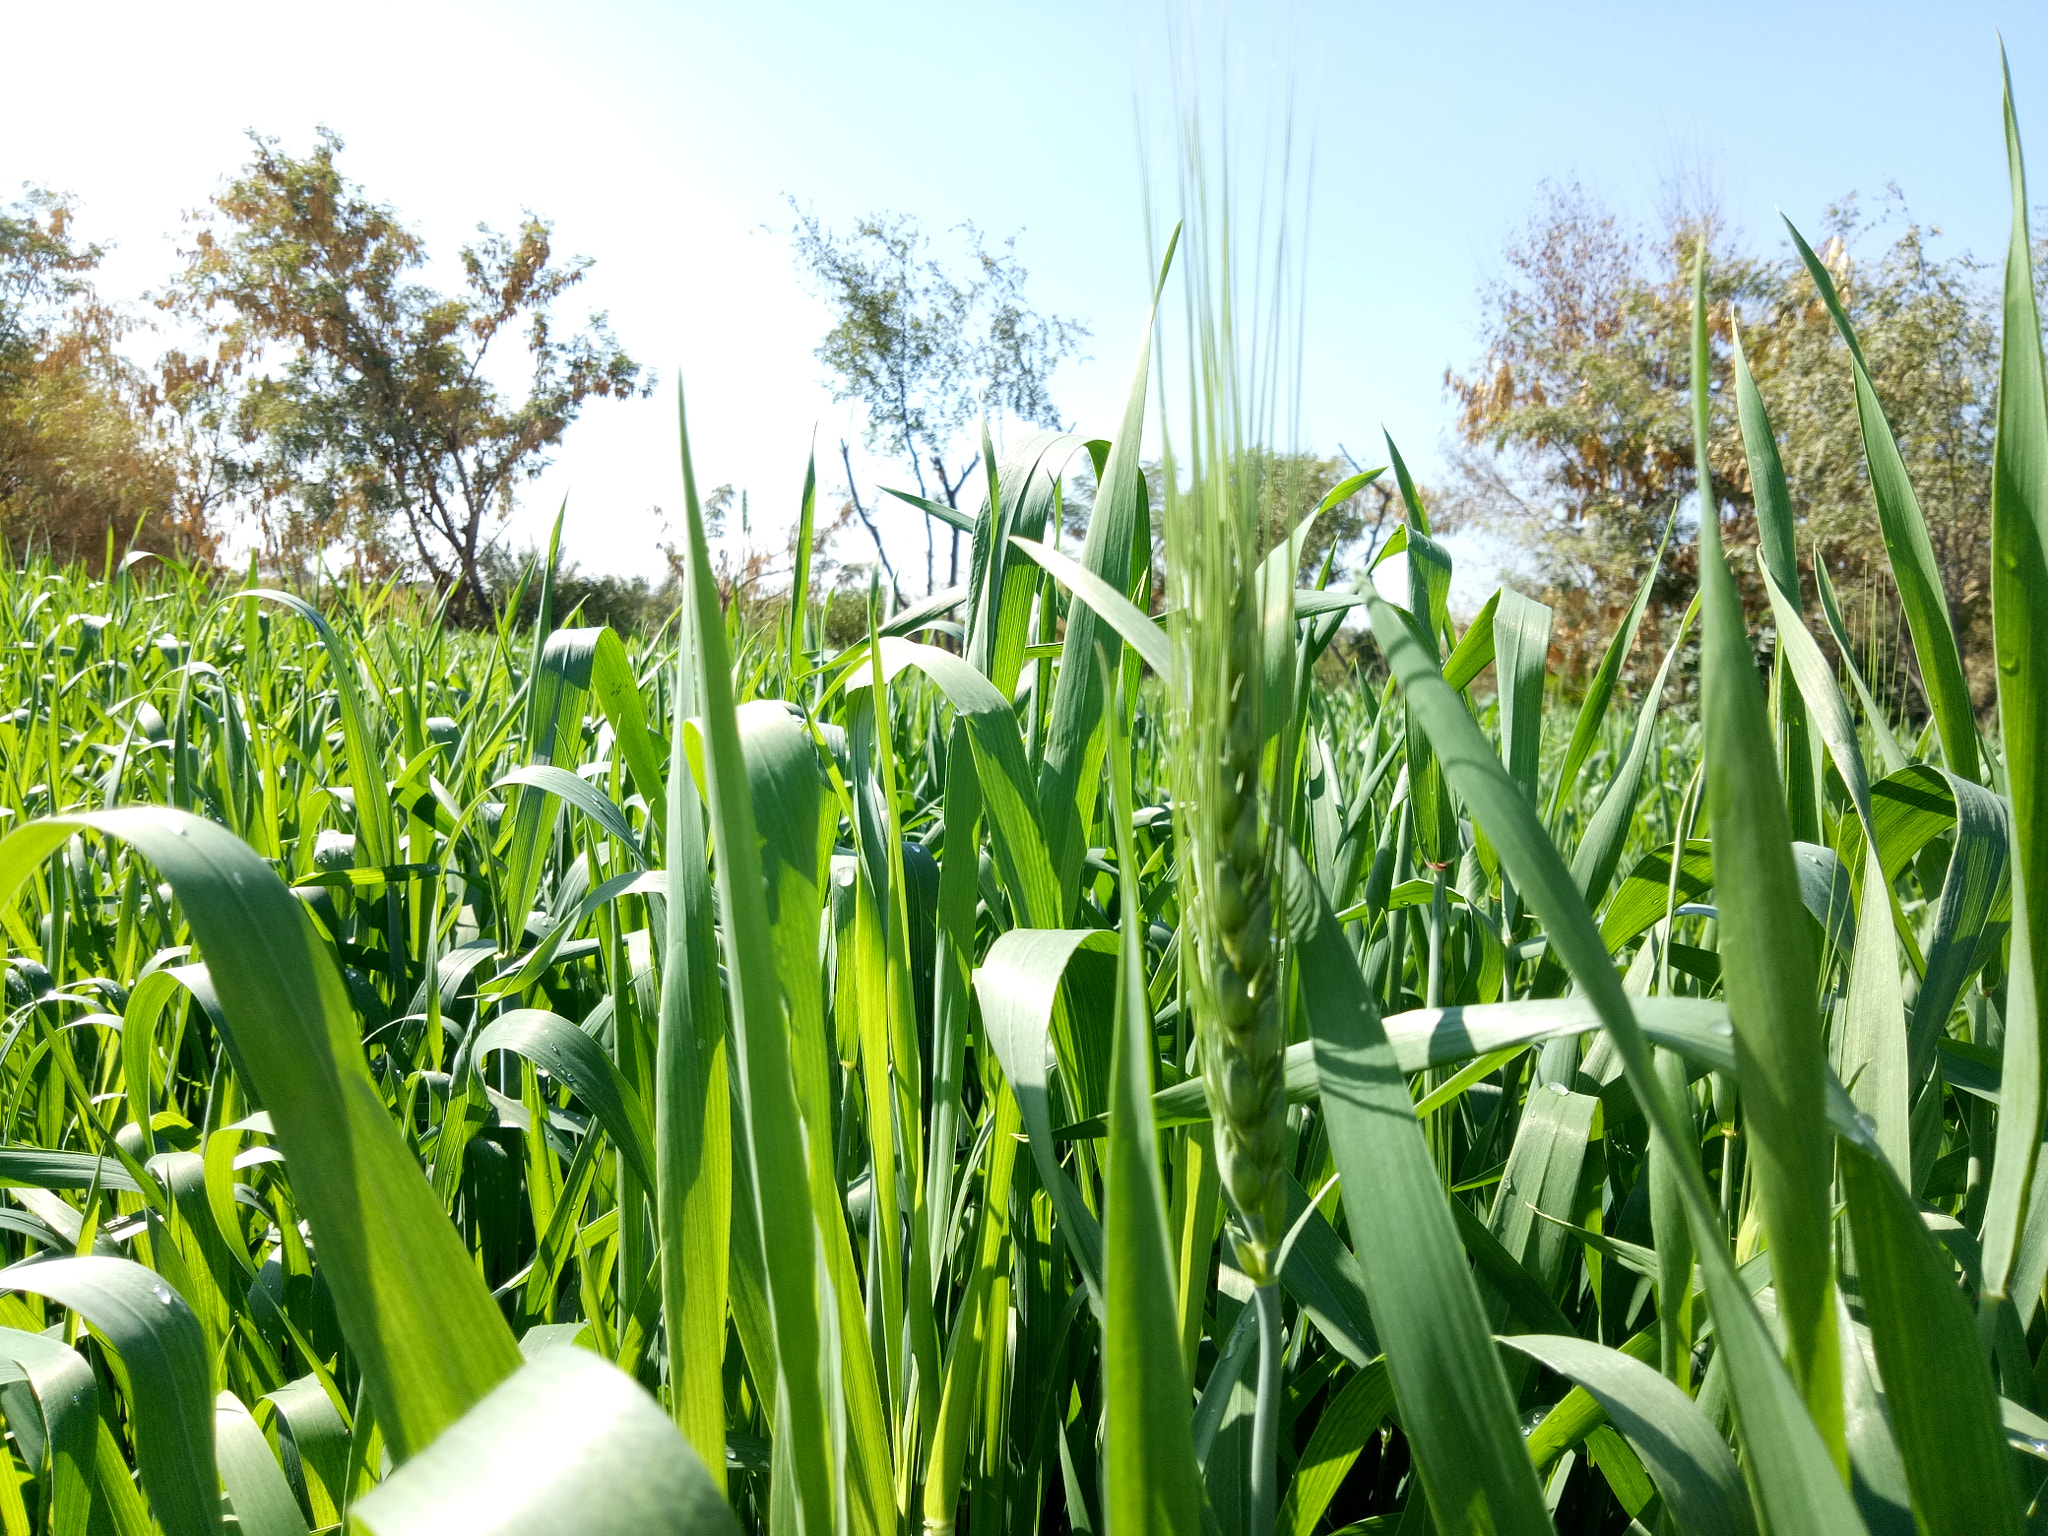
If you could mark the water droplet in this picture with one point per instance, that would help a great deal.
(163, 1294)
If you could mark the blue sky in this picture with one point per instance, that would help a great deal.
(662, 139)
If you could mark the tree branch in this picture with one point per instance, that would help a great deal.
(846, 458)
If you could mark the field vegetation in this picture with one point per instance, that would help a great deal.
(1049, 1061)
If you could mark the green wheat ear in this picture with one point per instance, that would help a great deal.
(1243, 1043)
(1226, 711)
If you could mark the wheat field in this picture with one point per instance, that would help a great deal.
(1056, 1063)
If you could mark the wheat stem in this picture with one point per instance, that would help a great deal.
(1266, 1413)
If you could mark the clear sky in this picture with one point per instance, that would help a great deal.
(663, 138)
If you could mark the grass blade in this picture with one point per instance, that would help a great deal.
(1976, 876)
(1606, 834)
(365, 752)
(1521, 648)
(1152, 1482)
(1907, 546)
(1476, 649)
(568, 1443)
(1340, 1434)
(163, 1349)
(1937, 1383)
(1796, 1480)
(572, 1058)
(1143, 634)
(1873, 1052)
(1446, 1374)
(1795, 1477)
(67, 1393)
(1888, 747)
(1769, 964)
(2019, 574)
(425, 1331)
(1117, 553)
(799, 599)
(771, 1125)
(1018, 984)
(258, 1493)
(1586, 730)
(1009, 794)
(692, 1115)
(1685, 1457)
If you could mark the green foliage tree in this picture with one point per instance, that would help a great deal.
(1573, 424)
(367, 408)
(925, 349)
(1575, 420)
(80, 464)
(41, 267)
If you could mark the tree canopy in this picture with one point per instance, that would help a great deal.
(926, 349)
(363, 404)
(81, 465)
(1573, 426)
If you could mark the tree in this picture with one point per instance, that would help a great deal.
(367, 410)
(42, 267)
(924, 351)
(1929, 332)
(80, 464)
(1575, 427)
(1577, 420)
